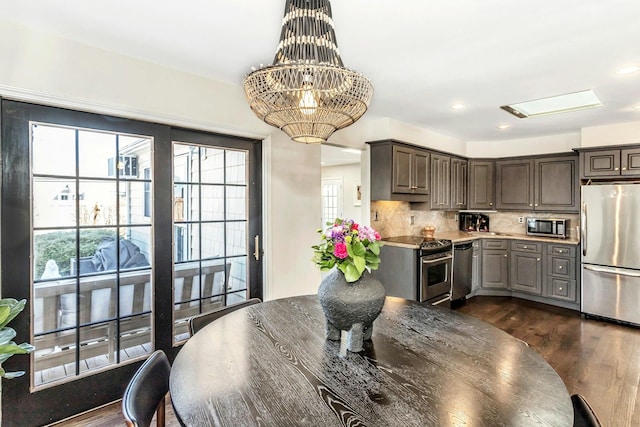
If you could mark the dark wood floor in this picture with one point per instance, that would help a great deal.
(597, 359)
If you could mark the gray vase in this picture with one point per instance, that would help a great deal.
(350, 307)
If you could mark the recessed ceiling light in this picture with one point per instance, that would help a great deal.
(504, 126)
(629, 70)
(554, 104)
(457, 107)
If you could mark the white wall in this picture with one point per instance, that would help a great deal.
(562, 143)
(351, 175)
(616, 134)
(293, 205)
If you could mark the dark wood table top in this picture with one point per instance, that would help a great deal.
(270, 365)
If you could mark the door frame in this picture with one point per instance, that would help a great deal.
(46, 405)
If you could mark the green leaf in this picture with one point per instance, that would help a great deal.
(11, 375)
(359, 264)
(4, 314)
(359, 249)
(15, 307)
(374, 247)
(351, 274)
(6, 335)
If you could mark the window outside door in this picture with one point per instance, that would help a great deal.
(332, 196)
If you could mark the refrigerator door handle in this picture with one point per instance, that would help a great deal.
(583, 225)
(618, 271)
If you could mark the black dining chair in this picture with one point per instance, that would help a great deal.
(200, 321)
(146, 392)
(583, 414)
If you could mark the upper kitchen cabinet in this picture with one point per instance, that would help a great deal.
(399, 172)
(610, 163)
(548, 184)
(459, 172)
(482, 184)
(514, 184)
(440, 181)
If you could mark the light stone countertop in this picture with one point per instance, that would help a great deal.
(464, 236)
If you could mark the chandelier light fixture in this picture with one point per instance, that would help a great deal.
(307, 92)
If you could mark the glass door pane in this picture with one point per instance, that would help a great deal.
(210, 230)
(92, 250)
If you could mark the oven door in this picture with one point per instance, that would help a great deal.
(435, 277)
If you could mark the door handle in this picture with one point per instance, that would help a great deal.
(436, 260)
(256, 247)
(583, 228)
(611, 271)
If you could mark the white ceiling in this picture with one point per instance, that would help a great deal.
(422, 56)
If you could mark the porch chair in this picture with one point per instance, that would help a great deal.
(200, 321)
(583, 414)
(146, 392)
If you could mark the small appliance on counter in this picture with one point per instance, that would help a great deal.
(473, 221)
(548, 227)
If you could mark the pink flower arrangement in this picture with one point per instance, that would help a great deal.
(350, 246)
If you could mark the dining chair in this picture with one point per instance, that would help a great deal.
(146, 392)
(200, 321)
(583, 414)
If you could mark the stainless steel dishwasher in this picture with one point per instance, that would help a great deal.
(462, 270)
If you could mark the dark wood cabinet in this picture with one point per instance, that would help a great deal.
(610, 163)
(547, 184)
(557, 188)
(459, 172)
(399, 172)
(514, 184)
(561, 274)
(530, 269)
(525, 267)
(482, 184)
(440, 181)
(476, 265)
(495, 264)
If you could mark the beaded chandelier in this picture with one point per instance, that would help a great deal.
(307, 92)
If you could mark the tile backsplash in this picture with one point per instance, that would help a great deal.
(398, 219)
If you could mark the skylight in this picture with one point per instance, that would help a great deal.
(555, 104)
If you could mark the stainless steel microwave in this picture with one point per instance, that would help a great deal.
(547, 227)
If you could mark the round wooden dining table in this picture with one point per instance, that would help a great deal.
(270, 365)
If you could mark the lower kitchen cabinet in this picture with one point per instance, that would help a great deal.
(476, 265)
(529, 269)
(495, 264)
(562, 273)
(561, 289)
(526, 272)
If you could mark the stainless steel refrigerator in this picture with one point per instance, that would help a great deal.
(610, 237)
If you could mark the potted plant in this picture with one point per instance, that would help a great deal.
(350, 297)
(9, 309)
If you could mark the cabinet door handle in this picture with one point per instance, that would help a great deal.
(490, 204)
(505, 255)
(617, 169)
(530, 204)
(413, 187)
(536, 204)
(560, 288)
(538, 259)
(624, 169)
(559, 267)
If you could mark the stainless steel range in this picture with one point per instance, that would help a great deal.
(436, 260)
(421, 271)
